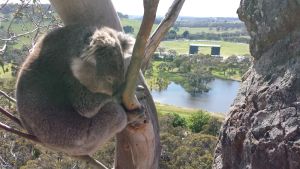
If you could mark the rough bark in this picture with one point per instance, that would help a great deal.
(137, 147)
(262, 130)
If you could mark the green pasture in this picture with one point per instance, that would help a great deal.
(183, 112)
(227, 48)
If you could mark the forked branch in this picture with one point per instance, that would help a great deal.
(129, 99)
(160, 32)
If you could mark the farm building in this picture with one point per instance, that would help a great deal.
(215, 49)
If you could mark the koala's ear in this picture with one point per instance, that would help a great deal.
(126, 41)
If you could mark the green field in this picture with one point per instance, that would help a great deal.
(136, 25)
(184, 112)
(181, 46)
(227, 48)
(19, 29)
(206, 30)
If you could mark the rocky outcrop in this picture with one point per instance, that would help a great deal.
(262, 130)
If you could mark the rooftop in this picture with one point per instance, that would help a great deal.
(205, 45)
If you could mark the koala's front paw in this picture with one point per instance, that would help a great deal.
(136, 116)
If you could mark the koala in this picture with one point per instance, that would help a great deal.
(68, 89)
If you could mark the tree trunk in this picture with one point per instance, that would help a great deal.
(137, 147)
(263, 127)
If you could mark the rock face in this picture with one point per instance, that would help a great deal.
(263, 127)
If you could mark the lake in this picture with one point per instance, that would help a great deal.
(218, 99)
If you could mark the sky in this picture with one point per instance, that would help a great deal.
(194, 8)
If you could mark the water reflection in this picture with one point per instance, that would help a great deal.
(218, 99)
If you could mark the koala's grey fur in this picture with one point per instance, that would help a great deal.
(66, 86)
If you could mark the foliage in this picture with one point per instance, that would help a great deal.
(172, 34)
(186, 34)
(128, 29)
(212, 127)
(180, 147)
(198, 79)
(178, 121)
(198, 120)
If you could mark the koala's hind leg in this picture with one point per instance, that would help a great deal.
(110, 120)
(75, 135)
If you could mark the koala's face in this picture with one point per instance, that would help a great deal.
(104, 58)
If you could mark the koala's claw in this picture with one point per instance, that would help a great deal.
(137, 115)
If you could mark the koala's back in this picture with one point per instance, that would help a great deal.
(43, 85)
(45, 76)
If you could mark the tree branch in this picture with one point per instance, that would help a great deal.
(19, 133)
(11, 116)
(91, 162)
(160, 32)
(129, 99)
(7, 96)
(19, 35)
(4, 4)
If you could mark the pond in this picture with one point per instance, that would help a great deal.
(218, 99)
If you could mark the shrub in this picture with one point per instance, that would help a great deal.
(178, 121)
(198, 120)
(212, 127)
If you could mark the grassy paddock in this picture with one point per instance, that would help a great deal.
(227, 48)
(136, 24)
(206, 30)
(184, 112)
(220, 75)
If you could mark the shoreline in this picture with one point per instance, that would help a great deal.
(185, 111)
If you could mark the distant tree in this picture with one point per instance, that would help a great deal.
(185, 67)
(171, 66)
(121, 15)
(162, 67)
(161, 50)
(128, 29)
(223, 67)
(198, 80)
(176, 28)
(232, 62)
(171, 55)
(180, 59)
(172, 34)
(162, 83)
(172, 52)
(186, 34)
